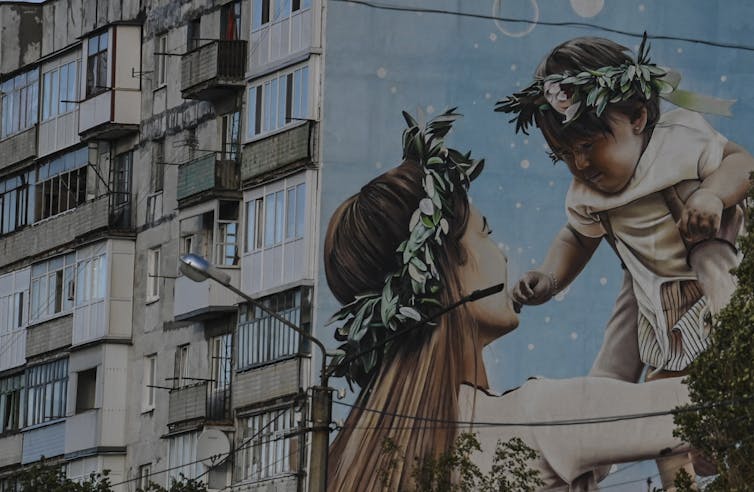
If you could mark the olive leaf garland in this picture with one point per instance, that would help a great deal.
(590, 89)
(409, 293)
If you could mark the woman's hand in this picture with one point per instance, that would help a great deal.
(534, 288)
(700, 217)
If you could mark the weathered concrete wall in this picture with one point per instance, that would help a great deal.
(48, 336)
(20, 35)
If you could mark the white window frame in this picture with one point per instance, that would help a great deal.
(153, 274)
(19, 99)
(11, 406)
(276, 10)
(182, 366)
(46, 392)
(60, 90)
(269, 445)
(91, 277)
(145, 473)
(161, 60)
(48, 300)
(275, 214)
(97, 64)
(182, 457)
(279, 101)
(150, 381)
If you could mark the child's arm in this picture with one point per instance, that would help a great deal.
(567, 256)
(724, 187)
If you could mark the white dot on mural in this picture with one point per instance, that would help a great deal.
(530, 346)
(519, 250)
(518, 84)
(587, 8)
(551, 184)
(393, 90)
(642, 8)
(533, 261)
(476, 45)
(547, 319)
(382, 72)
(430, 109)
(499, 188)
(679, 50)
(471, 199)
(574, 335)
(519, 204)
(378, 165)
(537, 209)
(493, 37)
(723, 78)
(487, 95)
(500, 246)
(526, 141)
(525, 164)
(562, 294)
(603, 280)
(513, 145)
(514, 67)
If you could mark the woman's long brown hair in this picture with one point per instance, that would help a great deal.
(422, 378)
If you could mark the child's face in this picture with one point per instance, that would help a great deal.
(607, 162)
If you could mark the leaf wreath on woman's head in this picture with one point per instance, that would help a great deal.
(413, 290)
(573, 94)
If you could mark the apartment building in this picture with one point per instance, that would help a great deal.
(132, 133)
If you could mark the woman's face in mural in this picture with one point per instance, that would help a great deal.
(486, 265)
(607, 162)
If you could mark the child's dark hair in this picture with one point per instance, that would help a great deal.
(589, 53)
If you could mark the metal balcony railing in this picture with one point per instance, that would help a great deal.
(213, 68)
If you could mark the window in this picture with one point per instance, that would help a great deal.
(157, 176)
(282, 10)
(161, 59)
(230, 21)
(145, 472)
(11, 312)
(122, 178)
(279, 215)
(197, 234)
(270, 445)
(150, 381)
(262, 338)
(16, 202)
(86, 389)
(59, 94)
(153, 274)
(181, 371)
(91, 279)
(194, 34)
(220, 366)
(182, 456)
(52, 286)
(227, 231)
(61, 183)
(19, 100)
(231, 136)
(46, 389)
(277, 102)
(11, 388)
(96, 65)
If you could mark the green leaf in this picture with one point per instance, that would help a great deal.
(410, 312)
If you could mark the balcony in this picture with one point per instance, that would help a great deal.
(204, 300)
(199, 401)
(207, 177)
(18, 147)
(213, 70)
(288, 149)
(11, 446)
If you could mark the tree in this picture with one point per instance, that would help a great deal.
(454, 471)
(46, 477)
(720, 418)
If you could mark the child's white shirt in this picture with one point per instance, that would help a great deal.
(683, 147)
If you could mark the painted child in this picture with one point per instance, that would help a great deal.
(661, 188)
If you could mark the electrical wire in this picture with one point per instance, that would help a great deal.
(400, 8)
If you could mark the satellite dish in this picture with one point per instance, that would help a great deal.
(212, 446)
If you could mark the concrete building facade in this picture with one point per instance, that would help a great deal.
(132, 133)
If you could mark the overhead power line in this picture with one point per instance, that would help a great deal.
(638, 35)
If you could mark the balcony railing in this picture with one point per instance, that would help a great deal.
(199, 401)
(211, 70)
(205, 176)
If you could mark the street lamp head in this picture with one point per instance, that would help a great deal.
(198, 269)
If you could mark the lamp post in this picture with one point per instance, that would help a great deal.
(199, 269)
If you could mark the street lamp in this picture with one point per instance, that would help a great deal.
(199, 269)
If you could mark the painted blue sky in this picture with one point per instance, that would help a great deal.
(381, 62)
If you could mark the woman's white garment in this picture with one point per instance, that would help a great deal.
(683, 147)
(569, 455)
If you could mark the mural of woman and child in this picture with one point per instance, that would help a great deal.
(661, 188)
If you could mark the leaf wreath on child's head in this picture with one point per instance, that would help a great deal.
(573, 94)
(409, 293)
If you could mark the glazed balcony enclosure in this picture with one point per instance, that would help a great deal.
(112, 99)
(213, 70)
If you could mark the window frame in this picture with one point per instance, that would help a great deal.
(57, 175)
(161, 60)
(42, 274)
(267, 225)
(290, 106)
(97, 75)
(11, 397)
(270, 444)
(19, 103)
(153, 274)
(54, 102)
(45, 383)
(182, 365)
(150, 382)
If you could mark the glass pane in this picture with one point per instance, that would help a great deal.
(300, 209)
(63, 74)
(269, 226)
(290, 215)
(279, 217)
(250, 216)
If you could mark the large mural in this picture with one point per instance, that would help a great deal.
(615, 162)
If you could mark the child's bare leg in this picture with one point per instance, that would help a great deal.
(670, 466)
(618, 357)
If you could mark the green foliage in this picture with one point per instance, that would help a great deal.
(721, 383)
(684, 482)
(454, 470)
(47, 477)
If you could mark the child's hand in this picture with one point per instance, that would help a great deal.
(700, 218)
(534, 288)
